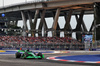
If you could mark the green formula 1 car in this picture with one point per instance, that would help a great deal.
(28, 54)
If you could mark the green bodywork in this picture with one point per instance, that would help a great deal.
(30, 54)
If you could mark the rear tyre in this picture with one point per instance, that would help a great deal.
(40, 54)
(18, 55)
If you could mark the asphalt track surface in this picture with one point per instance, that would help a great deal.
(10, 60)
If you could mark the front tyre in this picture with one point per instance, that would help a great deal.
(18, 55)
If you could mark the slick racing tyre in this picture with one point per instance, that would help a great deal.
(18, 55)
(39, 54)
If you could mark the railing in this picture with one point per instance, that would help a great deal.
(43, 46)
(7, 3)
(40, 42)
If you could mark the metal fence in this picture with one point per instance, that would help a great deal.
(50, 46)
(96, 44)
(42, 45)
